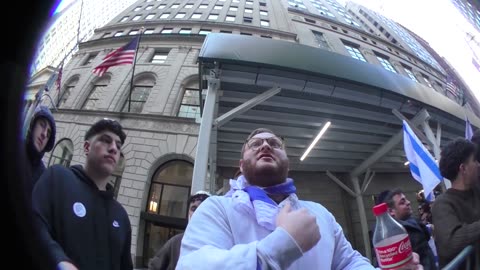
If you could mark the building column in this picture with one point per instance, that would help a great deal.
(203, 142)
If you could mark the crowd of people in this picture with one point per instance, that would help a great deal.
(259, 224)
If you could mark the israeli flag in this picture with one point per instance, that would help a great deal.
(423, 166)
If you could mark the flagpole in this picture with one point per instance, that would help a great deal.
(133, 70)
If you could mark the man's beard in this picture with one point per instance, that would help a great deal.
(265, 177)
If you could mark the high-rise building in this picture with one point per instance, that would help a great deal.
(470, 10)
(73, 24)
(209, 72)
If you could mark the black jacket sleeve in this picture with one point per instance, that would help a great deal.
(126, 259)
(43, 207)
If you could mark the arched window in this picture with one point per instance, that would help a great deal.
(62, 153)
(93, 99)
(141, 90)
(190, 106)
(170, 189)
(166, 212)
(116, 178)
(66, 91)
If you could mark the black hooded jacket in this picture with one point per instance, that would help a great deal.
(80, 223)
(34, 156)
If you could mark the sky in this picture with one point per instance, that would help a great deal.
(441, 25)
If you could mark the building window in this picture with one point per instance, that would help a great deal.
(162, 6)
(166, 31)
(263, 4)
(136, 18)
(106, 35)
(170, 189)
(427, 81)
(203, 6)
(185, 31)
(248, 10)
(309, 20)
(225, 31)
(386, 64)
(89, 59)
(164, 15)
(190, 107)
(148, 31)
(264, 23)
(137, 8)
(159, 57)
(175, 6)
(233, 8)
(249, 2)
(321, 41)
(213, 16)
(263, 13)
(148, 7)
(230, 18)
(94, 97)
(410, 74)
(245, 34)
(247, 20)
(149, 16)
(133, 32)
(124, 19)
(118, 34)
(188, 6)
(196, 15)
(217, 7)
(65, 94)
(140, 95)
(355, 52)
(180, 15)
(62, 153)
(235, 1)
(204, 31)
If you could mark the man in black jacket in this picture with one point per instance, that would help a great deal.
(39, 140)
(83, 226)
(400, 209)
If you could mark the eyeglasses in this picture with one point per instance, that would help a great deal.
(274, 142)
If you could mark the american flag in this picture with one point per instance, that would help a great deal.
(122, 56)
(452, 87)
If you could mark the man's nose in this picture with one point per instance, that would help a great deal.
(113, 147)
(265, 144)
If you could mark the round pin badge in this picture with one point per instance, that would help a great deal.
(79, 209)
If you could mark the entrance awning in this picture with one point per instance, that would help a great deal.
(294, 90)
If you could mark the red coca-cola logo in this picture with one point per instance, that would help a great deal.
(394, 255)
(405, 246)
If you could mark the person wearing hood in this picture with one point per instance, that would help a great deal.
(76, 213)
(39, 140)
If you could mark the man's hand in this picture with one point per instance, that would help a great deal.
(301, 225)
(66, 266)
(414, 265)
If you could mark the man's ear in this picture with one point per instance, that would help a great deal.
(391, 212)
(86, 147)
(241, 165)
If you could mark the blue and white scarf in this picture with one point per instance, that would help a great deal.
(255, 200)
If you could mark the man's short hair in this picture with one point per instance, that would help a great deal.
(382, 196)
(253, 133)
(453, 155)
(389, 198)
(199, 196)
(106, 125)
